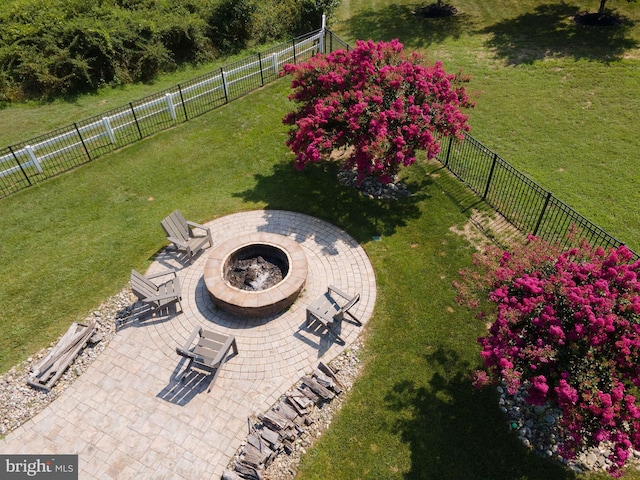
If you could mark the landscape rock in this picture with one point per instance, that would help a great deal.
(372, 188)
(538, 428)
(309, 425)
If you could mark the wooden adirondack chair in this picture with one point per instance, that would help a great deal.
(181, 233)
(206, 351)
(331, 308)
(156, 295)
(46, 373)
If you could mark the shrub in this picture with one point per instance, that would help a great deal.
(231, 24)
(58, 48)
(55, 48)
(566, 326)
(376, 103)
(235, 24)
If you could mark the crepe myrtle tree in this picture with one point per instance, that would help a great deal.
(565, 326)
(376, 104)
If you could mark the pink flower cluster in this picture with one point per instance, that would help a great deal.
(378, 101)
(567, 327)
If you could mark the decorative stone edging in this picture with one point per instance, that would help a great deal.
(278, 439)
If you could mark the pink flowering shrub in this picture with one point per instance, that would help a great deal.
(566, 326)
(377, 104)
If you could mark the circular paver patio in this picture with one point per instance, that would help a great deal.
(125, 416)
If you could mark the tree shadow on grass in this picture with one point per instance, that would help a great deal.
(316, 191)
(456, 431)
(550, 31)
(399, 21)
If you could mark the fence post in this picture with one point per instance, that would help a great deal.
(82, 141)
(261, 72)
(493, 166)
(446, 159)
(544, 209)
(275, 63)
(322, 32)
(133, 111)
(224, 86)
(184, 107)
(107, 127)
(20, 165)
(34, 159)
(170, 106)
(293, 42)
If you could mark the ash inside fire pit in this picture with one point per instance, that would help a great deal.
(256, 267)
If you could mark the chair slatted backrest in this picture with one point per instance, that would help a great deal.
(141, 286)
(176, 226)
(209, 344)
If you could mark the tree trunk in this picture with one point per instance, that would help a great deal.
(602, 3)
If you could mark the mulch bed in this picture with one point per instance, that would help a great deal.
(598, 19)
(436, 11)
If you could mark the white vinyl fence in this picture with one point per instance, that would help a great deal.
(58, 151)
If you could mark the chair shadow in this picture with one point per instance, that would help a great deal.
(142, 315)
(183, 387)
(322, 340)
(182, 391)
(172, 258)
(326, 337)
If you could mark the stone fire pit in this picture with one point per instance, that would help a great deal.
(236, 280)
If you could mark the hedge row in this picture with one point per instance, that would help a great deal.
(54, 48)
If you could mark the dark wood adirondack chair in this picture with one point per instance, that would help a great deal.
(157, 295)
(206, 352)
(182, 234)
(331, 308)
(47, 371)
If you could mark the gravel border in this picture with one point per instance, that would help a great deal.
(19, 402)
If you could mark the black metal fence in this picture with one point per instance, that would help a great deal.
(520, 200)
(43, 157)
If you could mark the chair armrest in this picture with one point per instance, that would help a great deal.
(159, 297)
(177, 241)
(161, 274)
(197, 225)
(196, 333)
(343, 294)
(185, 353)
(188, 354)
(347, 306)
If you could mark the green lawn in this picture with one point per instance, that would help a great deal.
(557, 102)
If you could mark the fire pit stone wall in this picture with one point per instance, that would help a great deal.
(260, 303)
